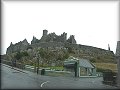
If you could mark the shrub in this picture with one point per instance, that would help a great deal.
(19, 55)
(24, 54)
(93, 60)
(66, 55)
(100, 70)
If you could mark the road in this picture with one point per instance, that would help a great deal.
(21, 79)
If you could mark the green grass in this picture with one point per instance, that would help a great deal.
(60, 68)
(55, 67)
(57, 74)
(104, 66)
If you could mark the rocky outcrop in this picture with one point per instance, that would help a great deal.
(57, 42)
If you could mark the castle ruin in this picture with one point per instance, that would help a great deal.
(58, 42)
(47, 40)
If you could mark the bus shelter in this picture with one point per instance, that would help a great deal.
(80, 67)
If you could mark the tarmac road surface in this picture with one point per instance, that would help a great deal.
(13, 78)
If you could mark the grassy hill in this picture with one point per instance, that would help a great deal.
(104, 66)
(103, 59)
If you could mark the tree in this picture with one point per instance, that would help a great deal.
(24, 54)
(70, 50)
(66, 55)
(42, 53)
(19, 55)
(93, 60)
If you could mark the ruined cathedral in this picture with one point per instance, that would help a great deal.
(50, 40)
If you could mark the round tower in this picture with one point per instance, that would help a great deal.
(45, 32)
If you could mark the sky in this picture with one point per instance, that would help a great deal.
(92, 23)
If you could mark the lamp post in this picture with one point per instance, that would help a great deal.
(37, 63)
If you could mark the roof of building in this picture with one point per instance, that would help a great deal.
(85, 63)
(82, 62)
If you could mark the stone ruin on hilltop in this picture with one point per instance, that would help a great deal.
(47, 40)
(59, 43)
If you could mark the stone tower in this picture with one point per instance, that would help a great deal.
(71, 39)
(45, 32)
(34, 40)
(118, 63)
(64, 37)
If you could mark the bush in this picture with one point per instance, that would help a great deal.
(66, 55)
(98, 57)
(42, 53)
(100, 70)
(70, 50)
(24, 54)
(93, 60)
(19, 55)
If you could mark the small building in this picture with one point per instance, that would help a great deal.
(80, 67)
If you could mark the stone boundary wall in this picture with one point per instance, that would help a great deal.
(48, 44)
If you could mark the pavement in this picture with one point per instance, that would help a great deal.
(14, 78)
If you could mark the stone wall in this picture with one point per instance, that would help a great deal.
(22, 45)
(82, 48)
(48, 44)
